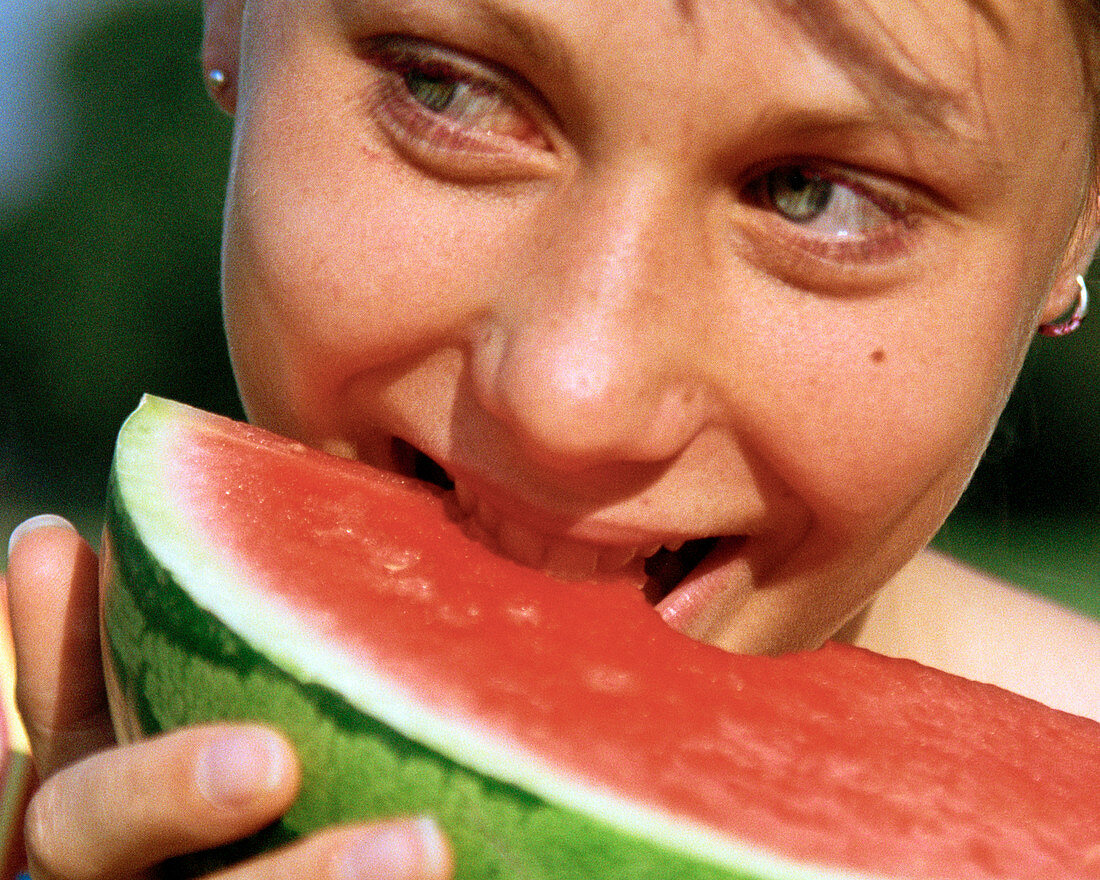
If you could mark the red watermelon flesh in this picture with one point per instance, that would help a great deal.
(837, 757)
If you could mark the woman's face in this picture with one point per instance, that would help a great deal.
(638, 273)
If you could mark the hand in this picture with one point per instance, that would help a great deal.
(109, 811)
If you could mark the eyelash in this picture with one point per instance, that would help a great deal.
(801, 255)
(496, 132)
(506, 140)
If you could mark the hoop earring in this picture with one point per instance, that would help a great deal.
(1068, 325)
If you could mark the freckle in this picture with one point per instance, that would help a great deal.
(878, 356)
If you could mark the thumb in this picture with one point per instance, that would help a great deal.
(54, 605)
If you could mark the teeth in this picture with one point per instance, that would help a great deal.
(521, 543)
(566, 558)
(613, 558)
(571, 560)
(339, 448)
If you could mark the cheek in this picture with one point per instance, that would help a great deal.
(873, 425)
(337, 262)
(342, 268)
(338, 257)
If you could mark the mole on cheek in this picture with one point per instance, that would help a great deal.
(878, 356)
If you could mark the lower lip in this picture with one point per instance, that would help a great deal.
(693, 606)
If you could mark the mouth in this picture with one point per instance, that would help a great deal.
(658, 569)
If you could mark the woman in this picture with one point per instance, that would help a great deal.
(746, 282)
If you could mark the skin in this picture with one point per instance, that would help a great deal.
(584, 301)
(597, 329)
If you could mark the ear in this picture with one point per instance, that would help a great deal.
(221, 50)
(1079, 256)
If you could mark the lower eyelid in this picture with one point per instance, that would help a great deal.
(442, 148)
(413, 120)
(823, 263)
(411, 123)
(889, 239)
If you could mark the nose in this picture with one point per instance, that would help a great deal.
(591, 357)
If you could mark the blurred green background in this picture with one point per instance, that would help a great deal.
(108, 288)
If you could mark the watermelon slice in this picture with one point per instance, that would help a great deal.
(555, 729)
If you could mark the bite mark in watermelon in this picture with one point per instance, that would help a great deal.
(247, 577)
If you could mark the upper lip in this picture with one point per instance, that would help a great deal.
(489, 503)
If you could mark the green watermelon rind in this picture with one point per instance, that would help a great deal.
(380, 772)
(358, 763)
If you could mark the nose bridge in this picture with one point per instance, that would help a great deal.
(617, 243)
(588, 361)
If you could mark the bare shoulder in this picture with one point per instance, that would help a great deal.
(946, 614)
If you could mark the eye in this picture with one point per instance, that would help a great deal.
(455, 113)
(472, 106)
(826, 205)
(831, 227)
(436, 93)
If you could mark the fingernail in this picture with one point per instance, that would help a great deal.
(237, 766)
(42, 521)
(411, 849)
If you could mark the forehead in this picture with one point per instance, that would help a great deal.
(969, 68)
(924, 51)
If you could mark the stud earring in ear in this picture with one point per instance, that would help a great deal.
(216, 80)
(1067, 325)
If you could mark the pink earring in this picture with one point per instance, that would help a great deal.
(1068, 325)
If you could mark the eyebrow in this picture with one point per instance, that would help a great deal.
(876, 60)
(848, 31)
(530, 33)
(886, 70)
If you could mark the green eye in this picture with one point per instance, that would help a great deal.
(798, 196)
(434, 92)
(449, 111)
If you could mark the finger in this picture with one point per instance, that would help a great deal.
(120, 812)
(53, 601)
(399, 849)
